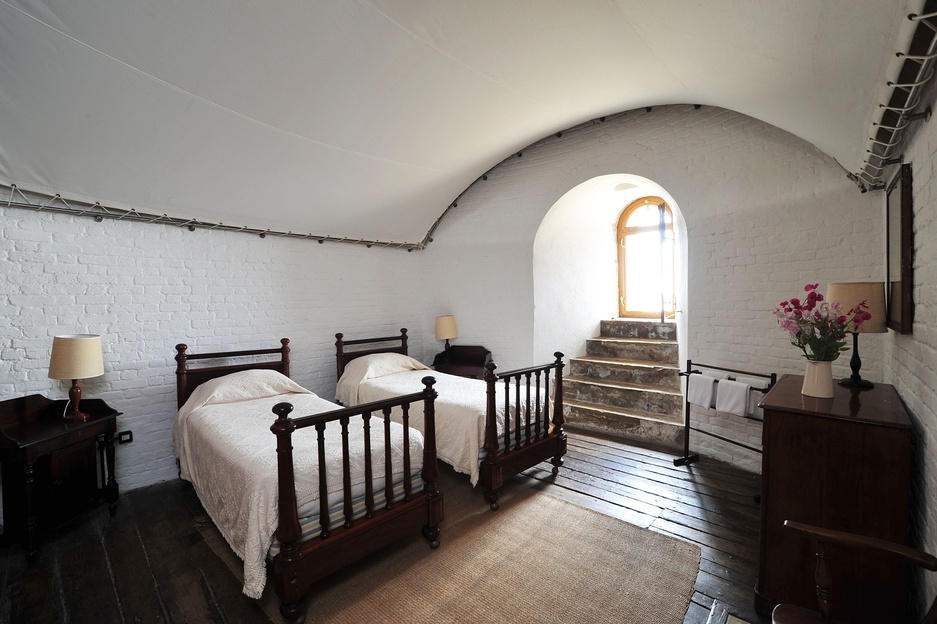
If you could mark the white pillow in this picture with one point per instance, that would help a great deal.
(380, 364)
(369, 367)
(243, 386)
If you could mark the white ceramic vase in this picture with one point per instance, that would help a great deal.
(818, 380)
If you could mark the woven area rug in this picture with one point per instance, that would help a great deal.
(537, 559)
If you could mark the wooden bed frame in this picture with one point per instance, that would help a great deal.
(533, 437)
(300, 564)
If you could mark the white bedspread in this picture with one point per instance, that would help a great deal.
(225, 447)
(460, 408)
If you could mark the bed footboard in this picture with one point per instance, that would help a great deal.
(533, 435)
(397, 510)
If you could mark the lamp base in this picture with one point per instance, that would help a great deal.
(850, 382)
(77, 416)
(855, 364)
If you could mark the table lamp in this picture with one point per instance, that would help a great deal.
(76, 356)
(849, 295)
(446, 329)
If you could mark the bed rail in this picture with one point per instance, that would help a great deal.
(536, 413)
(390, 516)
(687, 458)
(535, 423)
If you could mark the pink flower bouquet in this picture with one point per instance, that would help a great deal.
(818, 327)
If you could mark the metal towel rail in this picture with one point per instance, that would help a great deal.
(687, 458)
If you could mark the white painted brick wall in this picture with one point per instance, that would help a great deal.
(766, 213)
(145, 288)
(911, 360)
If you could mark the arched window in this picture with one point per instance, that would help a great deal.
(646, 260)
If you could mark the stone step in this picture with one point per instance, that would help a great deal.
(634, 349)
(633, 372)
(628, 383)
(627, 424)
(659, 403)
(626, 328)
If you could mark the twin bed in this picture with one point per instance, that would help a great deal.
(489, 429)
(354, 481)
(359, 477)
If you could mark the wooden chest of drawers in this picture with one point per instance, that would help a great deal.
(842, 463)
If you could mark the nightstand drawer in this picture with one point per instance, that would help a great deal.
(462, 370)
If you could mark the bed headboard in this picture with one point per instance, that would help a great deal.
(188, 379)
(367, 346)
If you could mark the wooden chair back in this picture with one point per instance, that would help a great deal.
(791, 614)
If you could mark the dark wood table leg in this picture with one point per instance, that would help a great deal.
(30, 529)
(111, 492)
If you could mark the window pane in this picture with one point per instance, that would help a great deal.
(668, 287)
(645, 215)
(644, 280)
(642, 283)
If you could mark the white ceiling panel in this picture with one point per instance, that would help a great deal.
(365, 119)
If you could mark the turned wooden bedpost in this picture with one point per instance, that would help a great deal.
(430, 474)
(558, 419)
(288, 532)
(339, 354)
(491, 425)
(403, 340)
(285, 355)
(491, 435)
(181, 380)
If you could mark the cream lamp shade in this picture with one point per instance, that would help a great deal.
(850, 294)
(445, 328)
(76, 356)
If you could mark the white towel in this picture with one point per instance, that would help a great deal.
(755, 397)
(754, 411)
(700, 390)
(732, 397)
(754, 382)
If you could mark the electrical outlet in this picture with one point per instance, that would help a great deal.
(124, 437)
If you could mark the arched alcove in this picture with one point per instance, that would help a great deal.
(575, 262)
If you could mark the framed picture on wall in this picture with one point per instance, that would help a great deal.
(899, 254)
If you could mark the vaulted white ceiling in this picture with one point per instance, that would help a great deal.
(366, 118)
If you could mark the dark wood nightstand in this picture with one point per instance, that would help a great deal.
(463, 360)
(50, 465)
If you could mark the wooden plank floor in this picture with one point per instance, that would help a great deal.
(149, 564)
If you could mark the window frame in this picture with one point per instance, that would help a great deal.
(623, 231)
